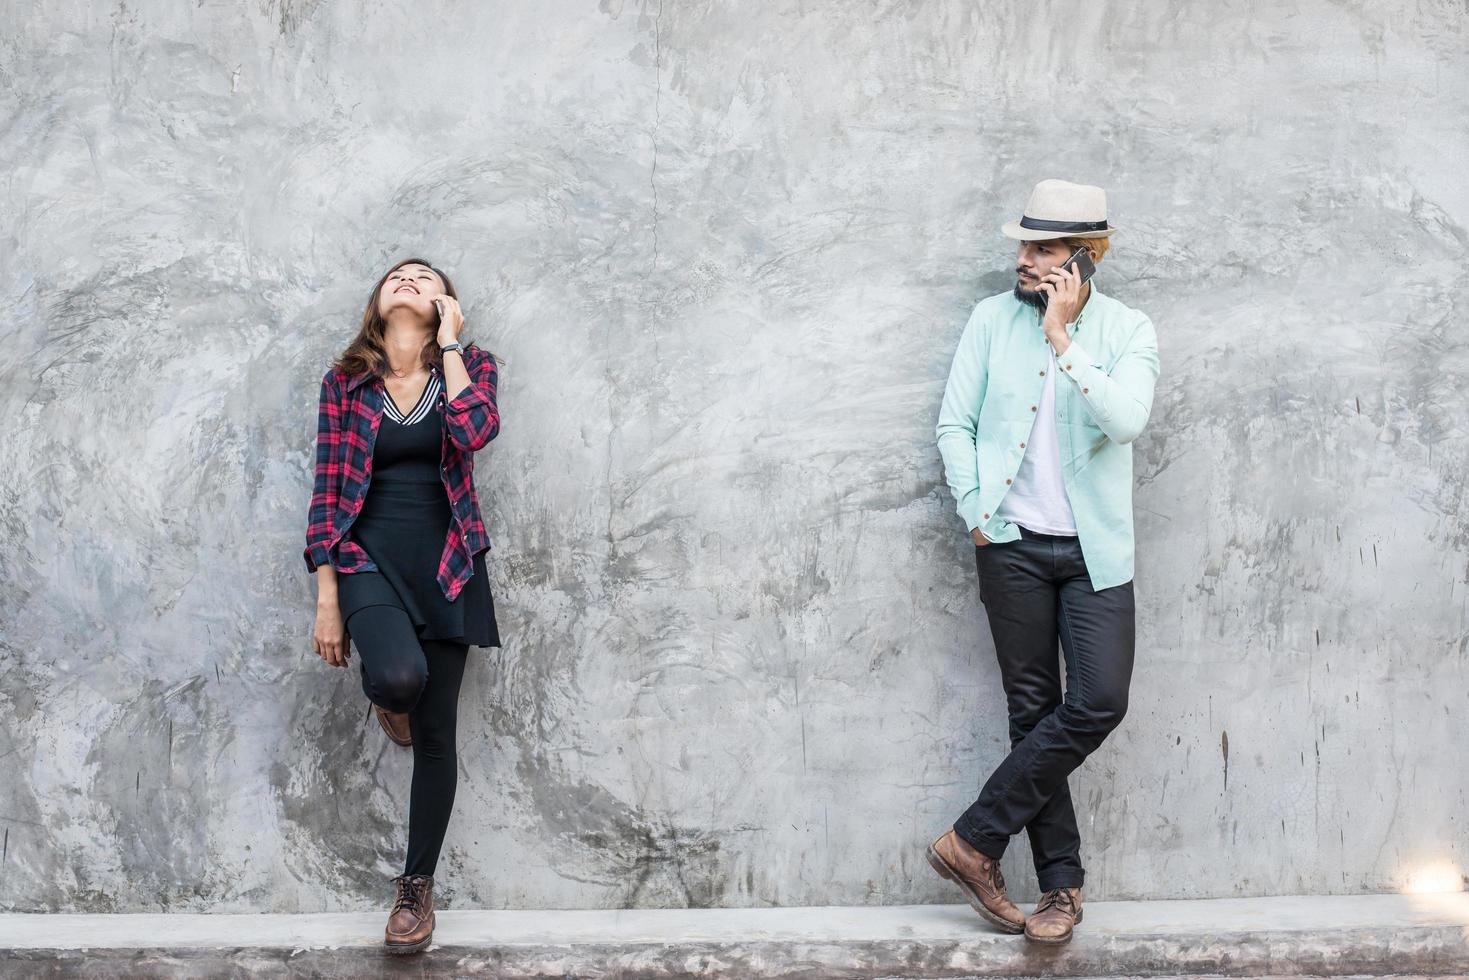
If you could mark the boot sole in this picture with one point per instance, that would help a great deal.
(1060, 940)
(403, 949)
(942, 867)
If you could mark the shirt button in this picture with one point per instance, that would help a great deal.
(1043, 374)
(1068, 367)
(1009, 481)
(1022, 445)
(1085, 390)
(986, 517)
(1032, 408)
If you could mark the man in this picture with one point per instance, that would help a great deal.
(1050, 385)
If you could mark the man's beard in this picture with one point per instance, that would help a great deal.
(1033, 298)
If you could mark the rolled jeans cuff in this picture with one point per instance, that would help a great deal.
(1060, 879)
(991, 847)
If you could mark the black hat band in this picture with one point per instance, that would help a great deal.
(1041, 224)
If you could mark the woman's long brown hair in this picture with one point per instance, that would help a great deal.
(366, 351)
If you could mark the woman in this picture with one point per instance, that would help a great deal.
(397, 542)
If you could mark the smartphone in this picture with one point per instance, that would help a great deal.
(1081, 261)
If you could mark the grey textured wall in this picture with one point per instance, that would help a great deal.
(727, 250)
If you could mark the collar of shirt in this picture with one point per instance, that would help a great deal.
(1074, 325)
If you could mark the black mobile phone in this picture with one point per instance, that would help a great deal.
(1081, 261)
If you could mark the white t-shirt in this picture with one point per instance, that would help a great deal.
(1037, 499)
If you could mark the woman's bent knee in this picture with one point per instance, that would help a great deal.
(399, 690)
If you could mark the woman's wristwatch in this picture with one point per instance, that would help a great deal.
(446, 348)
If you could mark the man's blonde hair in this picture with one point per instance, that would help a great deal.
(1097, 246)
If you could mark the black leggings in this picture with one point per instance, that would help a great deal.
(401, 673)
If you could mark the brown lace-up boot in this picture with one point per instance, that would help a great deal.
(978, 876)
(395, 723)
(1058, 910)
(411, 923)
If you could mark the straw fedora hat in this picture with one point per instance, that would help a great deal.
(1061, 209)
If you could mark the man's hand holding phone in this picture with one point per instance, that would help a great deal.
(1062, 287)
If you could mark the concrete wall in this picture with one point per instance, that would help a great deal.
(727, 250)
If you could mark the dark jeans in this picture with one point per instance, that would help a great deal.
(400, 672)
(1036, 592)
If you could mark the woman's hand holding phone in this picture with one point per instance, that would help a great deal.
(451, 318)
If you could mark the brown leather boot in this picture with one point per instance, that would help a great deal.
(978, 876)
(395, 723)
(1058, 910)
(411, 923)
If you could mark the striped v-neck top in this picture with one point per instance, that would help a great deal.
(408, 451)
(420, 410)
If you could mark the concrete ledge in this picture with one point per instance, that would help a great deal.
(1338, 935)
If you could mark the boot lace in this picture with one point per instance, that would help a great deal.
(1058, 898)
(411, 889)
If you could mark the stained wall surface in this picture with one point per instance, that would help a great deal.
(726, 251)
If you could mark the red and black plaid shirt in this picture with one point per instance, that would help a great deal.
(346, 430)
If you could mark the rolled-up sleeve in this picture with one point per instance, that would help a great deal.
(324, 489)
(472, 416)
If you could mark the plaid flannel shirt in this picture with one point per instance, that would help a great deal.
(347, 421)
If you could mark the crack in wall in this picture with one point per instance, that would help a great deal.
(657, 121)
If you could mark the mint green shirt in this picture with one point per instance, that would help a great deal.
(1104, 394)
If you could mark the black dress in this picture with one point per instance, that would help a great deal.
(402, 526)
